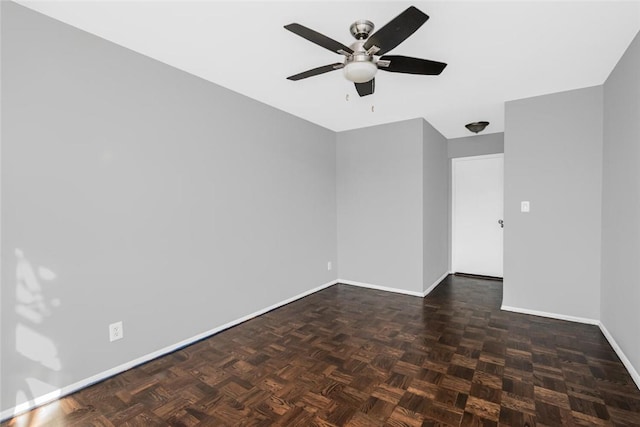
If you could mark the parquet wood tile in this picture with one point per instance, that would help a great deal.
(349, 356)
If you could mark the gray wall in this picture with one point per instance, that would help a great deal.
(621, 204)
(476, 145)
(392, 205)
(380, 205)
(553, 158)
(133, 191)
(435, 187)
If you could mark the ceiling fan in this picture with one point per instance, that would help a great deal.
(367, 54)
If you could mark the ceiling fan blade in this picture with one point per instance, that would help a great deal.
(319, 39)
(396, 31)
(409, 65)
(367, 88)
(316, 71)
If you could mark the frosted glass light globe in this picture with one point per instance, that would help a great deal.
(360, 71)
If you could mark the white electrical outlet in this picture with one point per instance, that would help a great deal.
(329, 265)
(116, 331)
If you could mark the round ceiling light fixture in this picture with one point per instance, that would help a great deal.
(476, 127)
(360, 71)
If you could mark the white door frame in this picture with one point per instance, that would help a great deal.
(453, 199)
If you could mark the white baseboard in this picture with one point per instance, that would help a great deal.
(551, 315)
(434, 284)
(625, 360)
(72, 388)
(395, 290)
(380, 288)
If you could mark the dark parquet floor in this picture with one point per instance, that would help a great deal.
(360, 357)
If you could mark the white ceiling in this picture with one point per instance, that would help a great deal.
(496, 51)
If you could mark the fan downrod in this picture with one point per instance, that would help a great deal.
(361, 29)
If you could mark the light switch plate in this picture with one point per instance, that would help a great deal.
(525, 206)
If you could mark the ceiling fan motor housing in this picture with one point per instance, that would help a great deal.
(361, 29)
